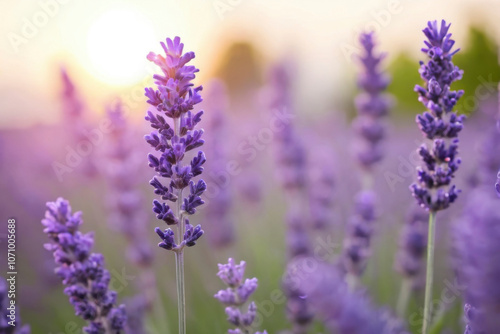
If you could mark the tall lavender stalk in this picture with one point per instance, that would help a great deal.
(372, 105)
(236, 294)
(291, 166)
(440, 123)
(83, 272)
(121, 164)
(175, 99)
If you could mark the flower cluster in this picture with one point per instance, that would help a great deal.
(412, 246)
(175, 98)
(237, 294)
(15, 326)
(372, 104)
(83, 272)
(357, 244)
(440, 123)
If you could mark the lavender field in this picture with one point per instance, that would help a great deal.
(250, 167)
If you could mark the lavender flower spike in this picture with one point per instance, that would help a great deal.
(236, 295)
(440, 123)
(372, 104)
(83, 272)
(174, 97)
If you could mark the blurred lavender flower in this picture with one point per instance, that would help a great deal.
(236, 295)
(15, 326)
(412, 246)
(174, 98)
(372, 104)
(83, 272)
(291, 171)
(342, 311)
(440, 123)
(479, 254)
(219, 207)
(360, 230)
(75, 123)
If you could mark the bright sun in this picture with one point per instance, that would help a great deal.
(117, 44)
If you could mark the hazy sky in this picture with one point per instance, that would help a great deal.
(104, 43)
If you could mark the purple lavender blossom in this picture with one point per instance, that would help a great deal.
(8, 325)
(479, 254)
(372, 104)
(342, 311)
(412, 246)
(440, 123)
(175, 98)
(360, 230)
(292, 170)
(83, 272)
(236, 295)
(219, 207)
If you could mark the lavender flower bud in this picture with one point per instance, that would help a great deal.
(83, 273)
(434, 191)
(236, 295)
(175, 98)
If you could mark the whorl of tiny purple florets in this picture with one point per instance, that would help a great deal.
(342, 311)
(8, 326)
(372, 104)
(360, 230)
(83, 272)
(479, 253)
(412, 246)
(433, 190)
(175, 98)
(321, 195)
(236, 295)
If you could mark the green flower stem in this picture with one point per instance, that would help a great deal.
(404, 297)
(429, 273)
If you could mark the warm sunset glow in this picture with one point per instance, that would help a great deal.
(117, 45)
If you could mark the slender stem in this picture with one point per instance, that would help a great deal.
(429, 273)
(404, 297)
(179, 255)
(181, 300)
